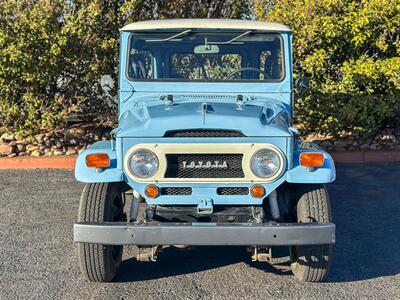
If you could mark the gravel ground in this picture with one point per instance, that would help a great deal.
(38, 259)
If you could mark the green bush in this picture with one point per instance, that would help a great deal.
(53, 52)
(351, 52)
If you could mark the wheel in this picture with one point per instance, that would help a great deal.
(100, 202)
(311, 262)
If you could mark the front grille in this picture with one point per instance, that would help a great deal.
(176, 191)
(232, 191)
(204, 166)
(204, 133)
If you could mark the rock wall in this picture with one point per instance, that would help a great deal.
(71, 141)
(76, 139)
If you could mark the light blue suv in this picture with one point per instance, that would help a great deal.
(204, 152)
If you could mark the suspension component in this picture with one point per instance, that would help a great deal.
(148, 253)
(261, 254)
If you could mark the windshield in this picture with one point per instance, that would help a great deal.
(200, 56)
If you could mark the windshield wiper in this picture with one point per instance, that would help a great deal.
(233, 39)
(180, 34)
(171, 37)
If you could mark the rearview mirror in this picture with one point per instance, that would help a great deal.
(107, 83)
(302, 84)
(206, 49)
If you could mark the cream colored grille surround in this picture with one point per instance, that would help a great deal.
(161, 149)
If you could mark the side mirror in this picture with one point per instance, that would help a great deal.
(107, 83)
(302, 84)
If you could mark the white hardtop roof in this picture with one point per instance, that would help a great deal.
(175, 24)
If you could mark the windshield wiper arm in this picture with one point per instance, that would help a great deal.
(233, 39)
(171, 37)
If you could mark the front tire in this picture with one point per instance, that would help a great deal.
(311, 263)
(100, 202)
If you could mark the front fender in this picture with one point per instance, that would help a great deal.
(300, 174)
(90, 175)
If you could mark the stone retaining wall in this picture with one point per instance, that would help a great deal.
(72, 141)
(75, 139)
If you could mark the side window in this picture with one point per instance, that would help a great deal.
(140, 64)
(203, 66)
(271, 64)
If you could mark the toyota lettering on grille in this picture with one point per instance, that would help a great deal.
(205, 165)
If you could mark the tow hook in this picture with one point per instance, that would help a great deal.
(205, 207)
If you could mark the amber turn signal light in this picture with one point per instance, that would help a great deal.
(97, 160)
(311, 159)
(257, 191)
(151, 191)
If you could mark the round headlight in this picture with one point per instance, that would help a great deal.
(265, 163)
(143, 163)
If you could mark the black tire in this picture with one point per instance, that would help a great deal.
(311, 263)
(100, 202)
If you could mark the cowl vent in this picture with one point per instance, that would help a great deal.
(206, 97)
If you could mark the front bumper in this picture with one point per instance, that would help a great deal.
(211, 234)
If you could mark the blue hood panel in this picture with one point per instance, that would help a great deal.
(154, 120)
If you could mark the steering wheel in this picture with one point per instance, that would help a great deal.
(246, 69)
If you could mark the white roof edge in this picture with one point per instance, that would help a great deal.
(206, 24)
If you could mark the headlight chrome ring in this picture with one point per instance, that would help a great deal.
(143, 163)
(267, 163)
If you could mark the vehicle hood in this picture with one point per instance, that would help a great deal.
(154, 120)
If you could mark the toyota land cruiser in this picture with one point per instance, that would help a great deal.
(204, 152)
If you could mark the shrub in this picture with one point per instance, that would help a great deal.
(53, 52)
(351, 52)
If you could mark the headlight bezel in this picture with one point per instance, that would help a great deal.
(135, 174)
(280, 169)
